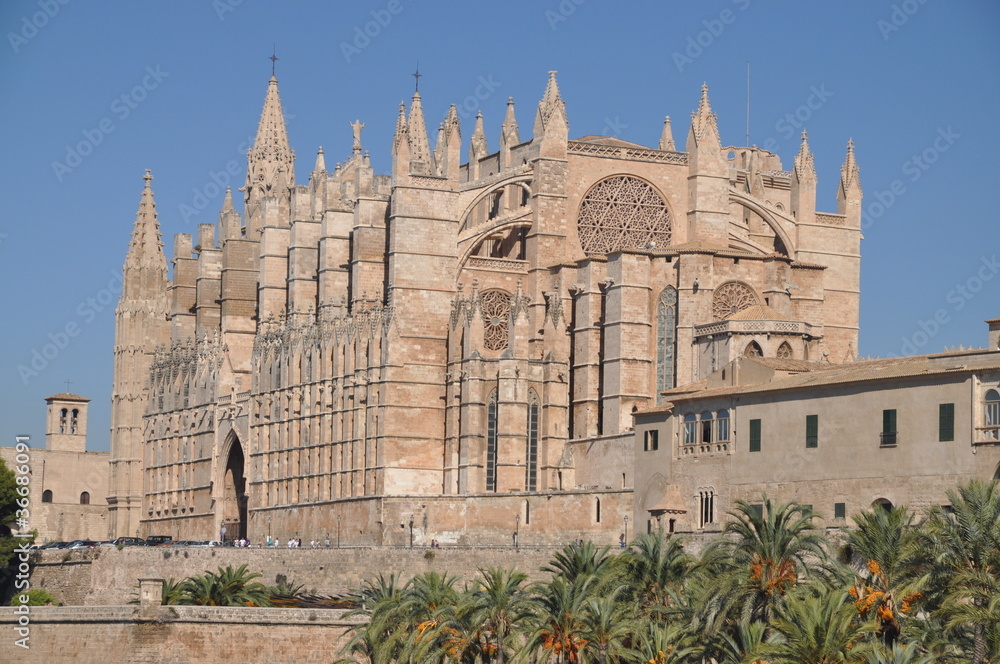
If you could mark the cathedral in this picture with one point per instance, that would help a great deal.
(454, 351)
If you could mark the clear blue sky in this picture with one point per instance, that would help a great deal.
(177, 87)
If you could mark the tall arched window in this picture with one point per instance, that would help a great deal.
(666, 341)
(47, 496)
(491, 442)
(62, 421)
(85, 498)
(531, 453)
(706, 427)
(722, 426)
(992, 404)
(690, 429)
(73, 419)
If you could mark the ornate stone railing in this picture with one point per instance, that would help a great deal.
(987, 435)
(830, 219)
(621, 152)
(499, 264)
(777, 174)
(753, 327)
(722, 446)
(489, 180)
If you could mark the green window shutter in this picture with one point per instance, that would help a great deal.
(812, 430)
(755, 435)
(889, 421)
(946, 422)
(839, 510)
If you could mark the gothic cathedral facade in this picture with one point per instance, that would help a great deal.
(454, 351)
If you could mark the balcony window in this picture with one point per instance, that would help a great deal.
(888, 436)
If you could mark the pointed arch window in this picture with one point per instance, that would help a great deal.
(531, 453)
(666, 341)
(491, 442)
(784, 351)
(753, 350)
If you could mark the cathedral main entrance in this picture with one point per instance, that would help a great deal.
(234, 501)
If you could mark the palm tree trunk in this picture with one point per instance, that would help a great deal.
(979, 645)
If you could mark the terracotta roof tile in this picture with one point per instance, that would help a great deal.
(66, 396)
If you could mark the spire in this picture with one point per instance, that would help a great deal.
(401, 133)
(145, 249)
(320, 166)
(229, 219)
(508, 131)
(439, 149)
(849, 172)
(667, 136)
(420, 150)
(551, 109)
(805, 167)
(703, 121)
(227, 203)
(270, 161)
(479, 147)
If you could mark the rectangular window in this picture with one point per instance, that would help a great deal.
(758, 509)
(755, 435)
(722, 427)
(651, 440)
(946, 422)
(812, 430)
(840, 510)
(888, 427)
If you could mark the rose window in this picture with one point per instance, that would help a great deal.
(495, 307)
(623, 212)
(731, 298)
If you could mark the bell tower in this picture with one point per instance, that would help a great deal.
(66, 423)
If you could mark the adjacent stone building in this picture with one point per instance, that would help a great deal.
(68, 484)
(454, 350)
(841, 438)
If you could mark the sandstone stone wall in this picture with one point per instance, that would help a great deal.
(108, 576)
(175, 635)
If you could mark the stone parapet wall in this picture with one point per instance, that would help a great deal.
(177, 635)
(108, 576)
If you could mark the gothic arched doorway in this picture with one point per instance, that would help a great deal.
(234, 500)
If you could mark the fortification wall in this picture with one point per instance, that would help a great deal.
(108, 576)
(175, 635)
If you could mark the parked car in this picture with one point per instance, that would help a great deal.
(129, 541)
(159, 540)
(82, 544)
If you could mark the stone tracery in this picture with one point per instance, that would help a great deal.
(495, 307)
(731, 298)
(623, 212)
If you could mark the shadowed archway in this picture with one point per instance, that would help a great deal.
(234, 501)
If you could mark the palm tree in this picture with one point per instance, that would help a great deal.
(609, 628)
(655, 566)
(380, 639)
(761, 556)
(967, 554)
(817, 625)
(500, 603)
(900, 653)
(578, 560)
(173, 592)
(558, 624)
(888, 559)
(665, 644)
(227, 587)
